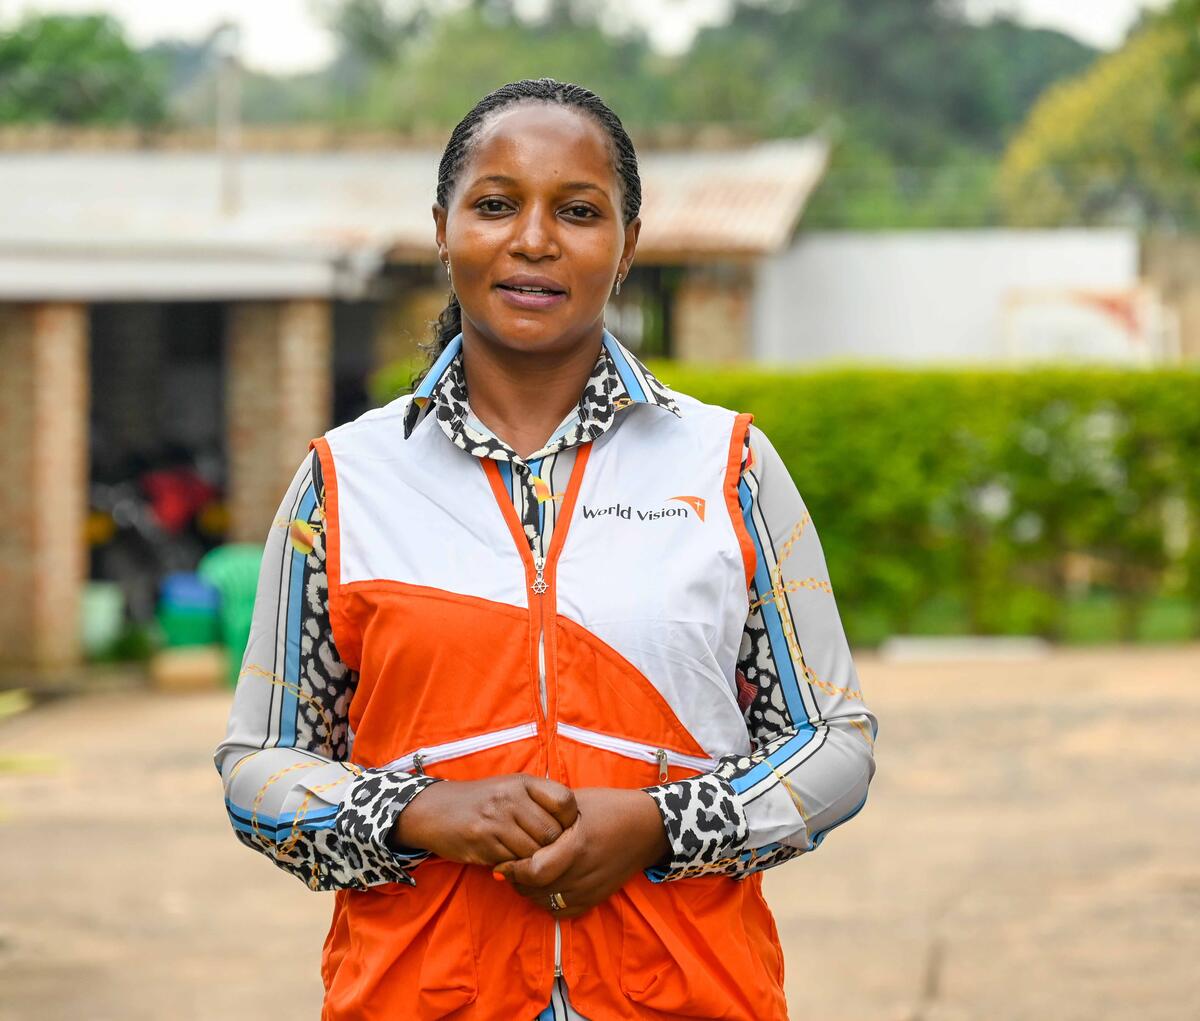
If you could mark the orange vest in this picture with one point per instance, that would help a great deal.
(435, 600)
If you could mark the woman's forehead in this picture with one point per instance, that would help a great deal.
(542, 142)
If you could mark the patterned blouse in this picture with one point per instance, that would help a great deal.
(812, 736)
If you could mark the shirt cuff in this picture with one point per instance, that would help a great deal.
(705, 826)
(367, 816)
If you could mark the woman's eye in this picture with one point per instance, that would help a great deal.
(491, 205)
(583, 212)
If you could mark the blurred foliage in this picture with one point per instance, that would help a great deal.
(919, 100)
(465, 54)
(77, 70)
(1058, 502)
(1111, 147)
(1183, 74)
(775, 67)
(864, 189)
(913, 148)
(191, 72)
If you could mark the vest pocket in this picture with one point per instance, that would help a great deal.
(448, 978)
(662, 758)
(411, 949)
(686, 951)
(422, 757)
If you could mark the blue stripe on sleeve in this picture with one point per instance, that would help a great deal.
(770, 612)
(816, 838)
(291, 659)
(779, 653)
(282, 827)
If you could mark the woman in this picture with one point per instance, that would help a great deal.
(545, 667)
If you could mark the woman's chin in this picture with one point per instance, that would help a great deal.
(527, 331)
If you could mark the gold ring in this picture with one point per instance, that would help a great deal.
(556, 902)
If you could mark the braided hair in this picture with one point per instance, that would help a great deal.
(462, 140)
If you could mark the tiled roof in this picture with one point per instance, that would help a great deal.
(345, 211)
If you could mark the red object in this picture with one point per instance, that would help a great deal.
(176, 495)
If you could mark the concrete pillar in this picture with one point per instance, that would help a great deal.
(1171, 264)
(279, 364)
(711, 315)
(43, 500)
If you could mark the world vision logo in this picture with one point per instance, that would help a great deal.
(693, 505)
(695, 502)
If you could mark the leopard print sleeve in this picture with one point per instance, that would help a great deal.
(291, 791)
(812, 737)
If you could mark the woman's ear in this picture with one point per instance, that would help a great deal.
(439, 233)
(632, 231)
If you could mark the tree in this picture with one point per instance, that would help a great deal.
(474, 50)
(1183, 74)
(1108, 146)
(77, 70)
(377, 32)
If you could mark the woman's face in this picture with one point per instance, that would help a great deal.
(536, 205)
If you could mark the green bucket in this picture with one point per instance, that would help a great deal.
(233, 571)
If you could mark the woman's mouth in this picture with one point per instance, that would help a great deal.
(531, 295)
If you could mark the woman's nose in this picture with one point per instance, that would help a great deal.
(534, 235)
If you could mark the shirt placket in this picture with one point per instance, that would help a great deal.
(527, 507)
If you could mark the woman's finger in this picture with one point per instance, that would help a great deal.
(548, 864)
(539, 824)
(514, 843)
(555, 798)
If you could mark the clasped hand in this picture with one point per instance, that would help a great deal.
(539, 835)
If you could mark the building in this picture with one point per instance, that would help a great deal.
(154, 298)
(991, 296)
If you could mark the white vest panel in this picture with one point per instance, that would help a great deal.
(659, 579)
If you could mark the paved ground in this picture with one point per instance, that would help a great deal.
(1030, 850)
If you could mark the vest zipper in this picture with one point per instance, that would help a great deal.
(539, 587)
(464, 746)
(636, 750)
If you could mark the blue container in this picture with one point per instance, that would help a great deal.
(188, 610)
(186, 591)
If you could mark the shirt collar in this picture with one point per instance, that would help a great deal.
(617, 381)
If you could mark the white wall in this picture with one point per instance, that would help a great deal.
(919, 296)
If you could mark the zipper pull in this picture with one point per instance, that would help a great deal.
(539, 582)
(419, 763)
(661, 755)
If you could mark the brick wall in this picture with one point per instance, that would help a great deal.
(43, 460)
(711, 315)
(278, 395)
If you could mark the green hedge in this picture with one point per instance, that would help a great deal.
(1062, 502)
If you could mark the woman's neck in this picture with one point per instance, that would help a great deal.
(522, 397)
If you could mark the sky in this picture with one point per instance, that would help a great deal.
(287, 35)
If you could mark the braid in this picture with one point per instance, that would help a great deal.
(462, 139)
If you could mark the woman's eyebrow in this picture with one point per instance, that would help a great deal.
(512, 182)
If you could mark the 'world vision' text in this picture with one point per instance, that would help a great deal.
(693, 506)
